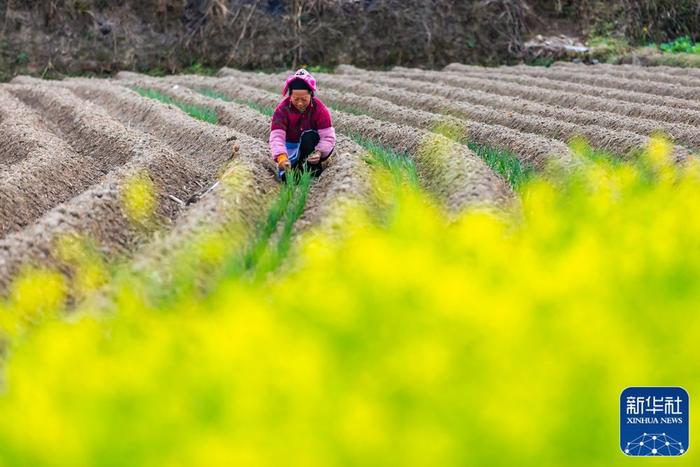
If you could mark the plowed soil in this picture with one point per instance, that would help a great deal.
(68, 147)
(667, 93)
(577, 96)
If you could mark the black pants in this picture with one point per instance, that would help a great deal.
(308, 142)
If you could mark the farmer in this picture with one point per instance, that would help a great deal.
(301, 129)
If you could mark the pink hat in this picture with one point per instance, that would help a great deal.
(303, 75)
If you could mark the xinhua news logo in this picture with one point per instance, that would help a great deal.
(654, 421)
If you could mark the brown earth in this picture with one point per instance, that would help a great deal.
(670, 70)
(638, 73)
(362, 97)
(20, 130)
(68, 147)
(621, 142)
(97, 212)
(458, 181)
(44, 171)
(532, 149)
(630, 95)
(671, 89)
(346, 176)
(681, 133)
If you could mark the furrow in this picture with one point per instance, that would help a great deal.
(445, 99)
(19, 135)
(346, 178)
(206, 145)
(98, 212)
(689, 107)
(449, 170)
(601, 81)
(669, 70)
(530, 148)
(639, 73)
(681, 133)
(575, 96)
(46, 172)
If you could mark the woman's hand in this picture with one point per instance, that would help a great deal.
(314, 157)
(283, 162)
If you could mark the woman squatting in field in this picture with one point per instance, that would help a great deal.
(301, 130)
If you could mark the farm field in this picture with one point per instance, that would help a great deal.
(490, 258)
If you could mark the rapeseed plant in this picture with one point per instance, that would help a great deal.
(138, 194)
(413, 340)
(84, 259)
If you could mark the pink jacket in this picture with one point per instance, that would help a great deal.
(288, 124)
